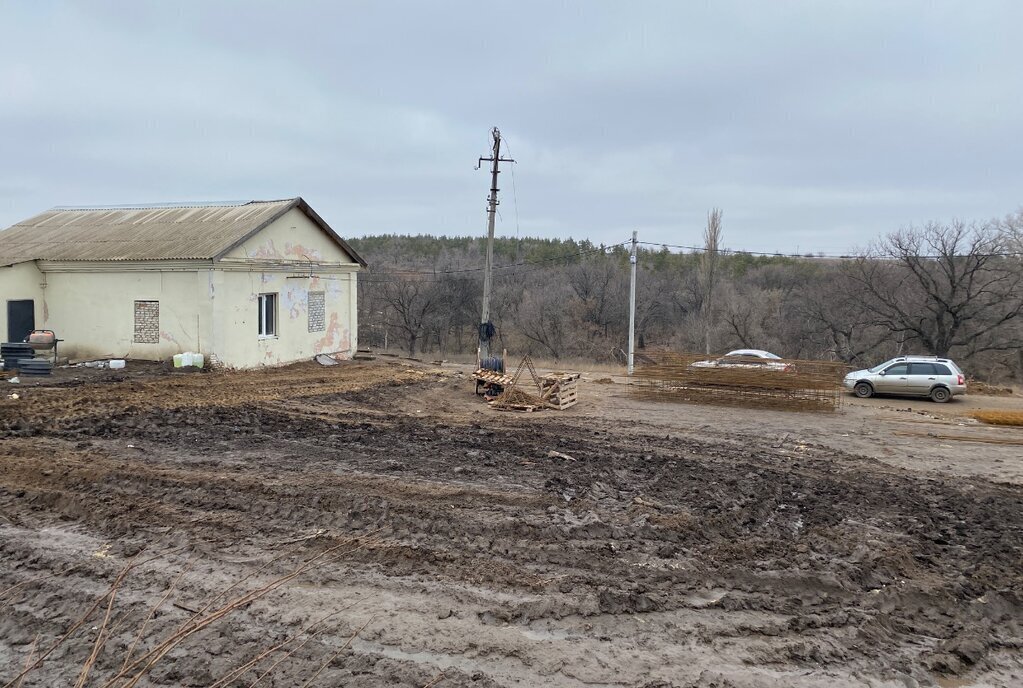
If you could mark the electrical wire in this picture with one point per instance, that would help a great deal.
(728, 251)
(515, 193)
(810, 256)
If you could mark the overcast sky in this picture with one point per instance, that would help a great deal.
(815, 126)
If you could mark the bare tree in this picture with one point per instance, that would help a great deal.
(944, 286)
(541, 319)
(412, 301)
(708, 271)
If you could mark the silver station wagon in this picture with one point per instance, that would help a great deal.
(916, 376)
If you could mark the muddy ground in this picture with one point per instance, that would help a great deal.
(443, 545)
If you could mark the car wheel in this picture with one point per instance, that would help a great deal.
(940, 395)
(863, 390)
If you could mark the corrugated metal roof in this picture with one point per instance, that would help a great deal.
(198, 231)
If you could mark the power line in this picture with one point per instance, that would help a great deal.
(769, 254)
(515, 192)
(809, 255)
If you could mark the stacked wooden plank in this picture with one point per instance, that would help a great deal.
(484, 375)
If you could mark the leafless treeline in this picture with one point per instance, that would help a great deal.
(948, 289)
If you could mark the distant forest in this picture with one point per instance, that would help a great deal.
(945, 289)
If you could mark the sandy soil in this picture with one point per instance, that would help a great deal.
(678, 545)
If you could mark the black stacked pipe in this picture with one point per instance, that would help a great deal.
(17, 354)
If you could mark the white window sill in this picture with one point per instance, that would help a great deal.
(267, 336)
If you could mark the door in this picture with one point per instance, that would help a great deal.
(894, 380)
(21, 319)
(922, 377)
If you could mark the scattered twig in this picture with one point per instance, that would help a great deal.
(101, 633)
(142, 665)
(335, 655)
(298, 647)
(88, 612)
(152, 612)
(238, 672)
(312, 536)
(28, 661)
(435, 680)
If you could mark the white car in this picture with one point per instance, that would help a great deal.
(746, 358)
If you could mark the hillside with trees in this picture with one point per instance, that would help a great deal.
(950, 289)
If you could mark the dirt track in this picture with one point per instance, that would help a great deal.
(466, 556)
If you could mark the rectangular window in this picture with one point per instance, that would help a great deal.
(317, 311)
(268, 315)
(147, 322)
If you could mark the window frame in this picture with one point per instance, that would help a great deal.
(261, 316)
(890, 369)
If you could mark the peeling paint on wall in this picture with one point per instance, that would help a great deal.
(268, 250)
(335, 339)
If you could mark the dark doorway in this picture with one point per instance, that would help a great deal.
(21, 319)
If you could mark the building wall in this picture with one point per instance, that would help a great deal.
(291, 258)
(291, 238)
(95, 312)
(153, 310)
(19, 282)
(300, 334)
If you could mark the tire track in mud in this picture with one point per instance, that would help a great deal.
(850, 561)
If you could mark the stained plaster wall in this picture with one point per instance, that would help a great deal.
(94, 311)
(236, 317)
(290, 258)
(204, 307)
(18, 282)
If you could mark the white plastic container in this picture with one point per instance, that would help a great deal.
(117, 364)
(189, 358)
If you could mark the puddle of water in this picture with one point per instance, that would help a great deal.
(438, 659)
(706, 598)
(545, 633)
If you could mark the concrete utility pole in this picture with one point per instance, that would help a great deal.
(632, 307)
(486, 328)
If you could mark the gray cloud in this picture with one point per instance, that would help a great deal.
(814, 125)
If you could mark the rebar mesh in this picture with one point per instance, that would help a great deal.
(793, 385)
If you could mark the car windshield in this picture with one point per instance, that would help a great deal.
(879, 367)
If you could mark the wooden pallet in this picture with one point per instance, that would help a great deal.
(564, 399)
(561, 390)
(492, 376)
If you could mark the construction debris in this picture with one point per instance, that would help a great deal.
(790, 385)
(555, 390)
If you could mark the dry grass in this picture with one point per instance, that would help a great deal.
(999, 417)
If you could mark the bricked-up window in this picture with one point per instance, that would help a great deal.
(147, 322)
(268, 315)
(317, 311)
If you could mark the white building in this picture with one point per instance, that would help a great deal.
(247, 284)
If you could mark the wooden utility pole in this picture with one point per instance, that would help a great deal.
(486, 328)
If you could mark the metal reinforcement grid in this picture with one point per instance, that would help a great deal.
(790, 385)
